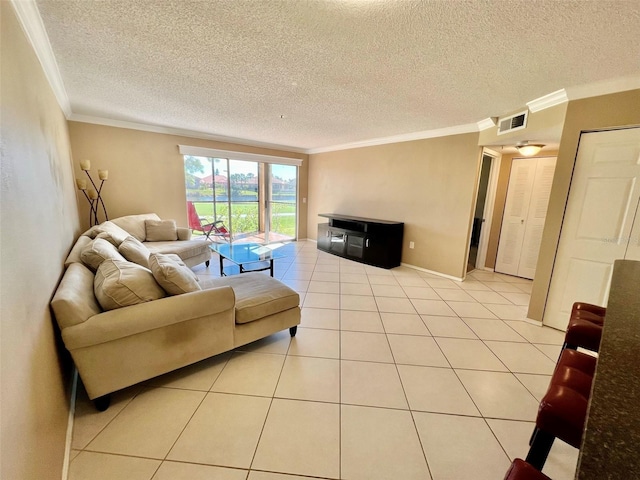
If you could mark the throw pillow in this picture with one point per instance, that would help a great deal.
(161, 230)
(174, 278)
(119, 283)
(97, 252)
(134, 250)
(180, 262)
(134, 224)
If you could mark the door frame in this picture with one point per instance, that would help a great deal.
(489, 205)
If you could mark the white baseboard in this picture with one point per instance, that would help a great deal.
(443, 275)
(72, 412)
(537, 323)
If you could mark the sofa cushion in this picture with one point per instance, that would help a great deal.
(160, 230)
(74, 300)
(180, 262)
(111, 238)
(134, 250)
(97, 252)
(184, 233)
(76, 251)
(174, 278)
(257, 295)
(119, 283)
(184, 249)
(116, 232)
(134, 224)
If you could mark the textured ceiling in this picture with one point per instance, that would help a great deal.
(338, 71)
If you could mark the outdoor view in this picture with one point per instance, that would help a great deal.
(230, 191)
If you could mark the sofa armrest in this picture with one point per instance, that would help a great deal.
(127, 321)
(184, 233)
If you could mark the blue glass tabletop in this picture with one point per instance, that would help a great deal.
(247, 252)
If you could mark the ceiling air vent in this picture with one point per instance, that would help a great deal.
(512, 123)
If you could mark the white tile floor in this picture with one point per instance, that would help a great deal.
(393, 375)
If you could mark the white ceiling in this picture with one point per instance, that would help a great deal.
(337, 71)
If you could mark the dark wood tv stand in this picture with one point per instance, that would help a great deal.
(365, 240)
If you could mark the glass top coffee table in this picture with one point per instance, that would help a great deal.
(244, 253)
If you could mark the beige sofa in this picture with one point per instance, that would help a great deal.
(125, 322)
(191, 251)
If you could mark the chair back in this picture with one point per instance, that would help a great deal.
(194, 219)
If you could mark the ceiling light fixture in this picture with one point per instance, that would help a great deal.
(529, 149)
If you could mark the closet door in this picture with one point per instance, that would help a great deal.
(525, 213)
(515, 214)
(536, 217)
(598, 221)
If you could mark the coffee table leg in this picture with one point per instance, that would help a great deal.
(271, 267)
(221, 267)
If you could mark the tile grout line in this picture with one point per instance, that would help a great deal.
(406, 398)
(140, 390)
(266, 418)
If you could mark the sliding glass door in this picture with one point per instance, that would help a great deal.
(282, 192)
(244, 185)
(256, 201)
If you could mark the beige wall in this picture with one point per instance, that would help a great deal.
(615, 110)
(146, 170)
(428, 184)
(39, 220)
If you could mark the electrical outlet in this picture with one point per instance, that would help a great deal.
(411, 244)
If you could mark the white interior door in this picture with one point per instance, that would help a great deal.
(525, 213)
(598, 221)
(515, 214)
(537, 214)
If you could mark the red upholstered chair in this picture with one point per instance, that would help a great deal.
(216, 229)
(588, 310)
(585, 326)
(563, 409)
(521, 470)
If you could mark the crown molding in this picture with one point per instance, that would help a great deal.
(31, 21)
(440, 132)
(606, 87)
(486, 123)
(145, 127)
(547, 101)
